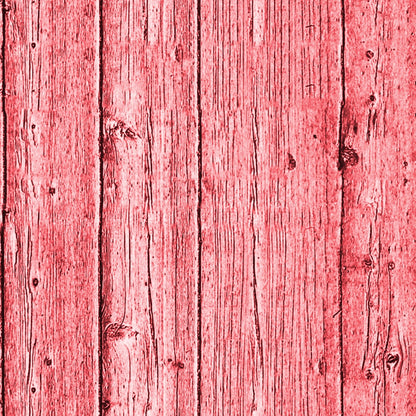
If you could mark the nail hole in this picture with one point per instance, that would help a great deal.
(349, 157)
(372, 97)
(48, 362)
(369, 54)
(35, 282)
(391, 265)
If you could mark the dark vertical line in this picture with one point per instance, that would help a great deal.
(100, 224)
(199, 281)
(4, 204)
(342, 57)
(390, 267)
(341, 167)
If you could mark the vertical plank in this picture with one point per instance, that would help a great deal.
(150, 207)
(271, 205)
(51, 227)
(378, 130)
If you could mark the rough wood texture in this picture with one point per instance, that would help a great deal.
(207, 207)
(50, 259)
(150, 207)
(378, 270)
(271, 203)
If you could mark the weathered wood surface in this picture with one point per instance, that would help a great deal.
(150, 207)
(208, 207)
(271, 200)
(378, 270)
(51, 225)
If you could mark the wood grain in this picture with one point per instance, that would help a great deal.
(50, 236)
(150, 207)
(207, 207)
(379, 249)
(271, 204)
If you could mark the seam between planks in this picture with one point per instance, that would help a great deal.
(100, 223)
(199, 152)
(4, 202)
(341, 168)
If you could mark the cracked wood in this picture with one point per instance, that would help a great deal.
(150, 181)
(271, 203)
(207, 207)
(50, 263)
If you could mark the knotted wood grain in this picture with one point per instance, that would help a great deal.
(271, 204)
(150, 181)
(51, 218)
(207, 207)
(378, 272)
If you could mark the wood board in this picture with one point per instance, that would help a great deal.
(207, 207)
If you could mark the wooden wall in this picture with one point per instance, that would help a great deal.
(207, 207)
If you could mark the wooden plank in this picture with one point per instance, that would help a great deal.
(271, 204)
(51, 246)
(150, 207)
(378, 130)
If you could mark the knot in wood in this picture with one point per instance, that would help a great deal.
(349, 157)
(369, 375)
(369, 54)
(292, 162)
(392, 360)
(368, 262)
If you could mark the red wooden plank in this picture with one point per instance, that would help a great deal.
(51, 250)
(271, 204)
(150, 207)
(379, 249)
(287, 90)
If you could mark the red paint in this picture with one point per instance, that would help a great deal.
(50, 230)
(150, 207)
(245, 244)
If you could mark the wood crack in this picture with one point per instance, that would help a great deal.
(4, 204)
(148, 207)
(341, 163)
(198, 214)
(101, 207)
